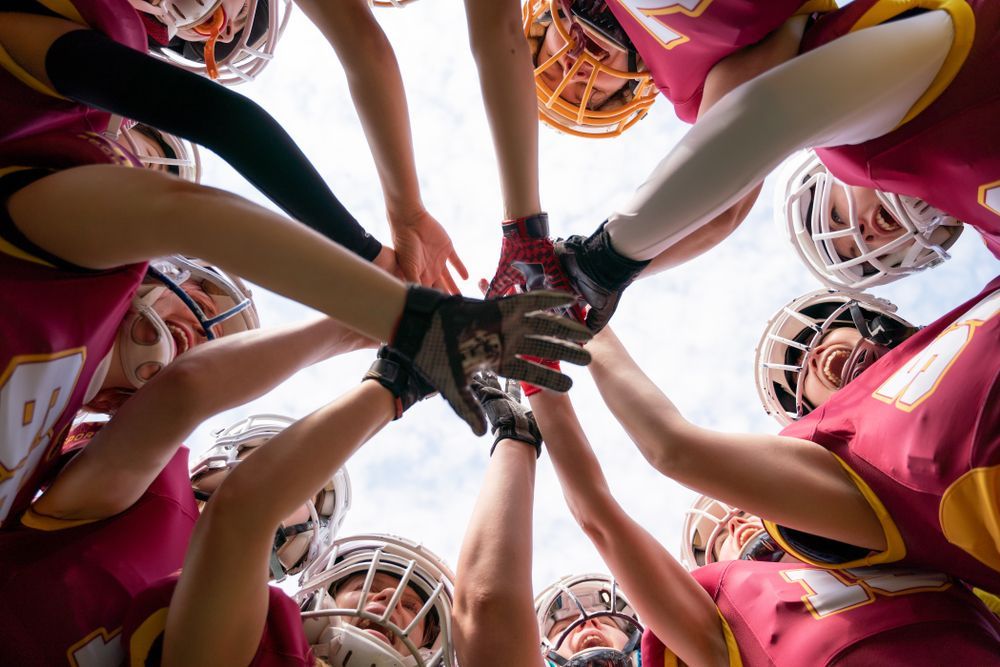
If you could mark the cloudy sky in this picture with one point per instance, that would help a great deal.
(693, 329)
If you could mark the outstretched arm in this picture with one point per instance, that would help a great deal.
(422, 245)
(494, 619)
(855, 88)
(757, 473)
(119, 464)
(668, 600)
(506, 78)
(219, 608)
(86, 66)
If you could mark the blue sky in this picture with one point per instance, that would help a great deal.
(693, 329)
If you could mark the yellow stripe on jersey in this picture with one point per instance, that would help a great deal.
(732, 648)
(964, 21)
(32, 519)
(142, 639)
(8, 63)
(895, 549)
(991, 601)
(8, 248)
(970, 514)
(64, 8)
(812, 6)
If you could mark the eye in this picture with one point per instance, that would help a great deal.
(835, 217)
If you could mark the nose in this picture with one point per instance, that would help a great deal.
(582, 73)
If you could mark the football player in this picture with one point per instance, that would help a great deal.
(713, 531)
(819, 343)
(580, 621)
(875, 80)
(221, 610)
(751, 612)
(119, 513)
(160, 150)
(899, 466)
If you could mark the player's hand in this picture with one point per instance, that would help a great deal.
(449, 338)
(528, 261)
(424, 250)
(597, 273)
(395, 372)
(386, 260)
(509, 418)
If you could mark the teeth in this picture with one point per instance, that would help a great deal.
(884, 221)
(180, 337)
(833, 366)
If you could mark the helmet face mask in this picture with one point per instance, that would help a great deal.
(588, 38)
(366, 632)
(295, 545)
(576, 601)
(229, 40)
(793, 335)
(906, 234)
(706, 527)
(159, 151)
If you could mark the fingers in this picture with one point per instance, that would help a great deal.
(554, 349)
(499, 286)
(540, 300)
(466, 407)
(537, 375)
(484, 285)
(458, 265)
(547, 324)
(449, 283)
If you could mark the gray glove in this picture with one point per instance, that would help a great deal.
(509, 418)
(448, 338)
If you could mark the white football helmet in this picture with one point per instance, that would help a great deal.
(363, 634)
(588, 30)
(295, 546)
(157, 150)
(232, 299)
(804, 211)
(785, 350)
(582, 598)
(706, 526)
(230, 41)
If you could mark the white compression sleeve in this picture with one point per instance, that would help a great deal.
(853, 89)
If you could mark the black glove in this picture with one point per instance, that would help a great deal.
(449, 338)
(509, 418)
(598, 273)
(395, 372)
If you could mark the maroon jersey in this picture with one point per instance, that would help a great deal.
(680, 41)
(66, 586)
(795, 614)
(947, 151)
(58, 326)
(919, 433)
(282, 644)
(29, 106)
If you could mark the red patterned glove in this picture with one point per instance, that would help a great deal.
(529, 389)
(528, 261)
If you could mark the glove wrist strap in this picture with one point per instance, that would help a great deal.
(418, 311)
(606, 265)
(390, 375)
(532, 226)
(514, 436)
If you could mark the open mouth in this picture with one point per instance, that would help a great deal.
(182, 337)
(885, 223)
(377, 631)
(832, 363)
(591, 638)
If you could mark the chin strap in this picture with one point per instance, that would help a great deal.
(879, 336)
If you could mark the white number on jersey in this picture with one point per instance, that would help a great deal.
(914, 383)
(98, 649)
(34, 391)
(646, 12)
(831, 592)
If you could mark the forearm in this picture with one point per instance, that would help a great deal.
(506, 79)
(493, 596)
(666, 598)
(147, 90)
(851, 90)
(377, 91)
(220, 604)
(77, 217)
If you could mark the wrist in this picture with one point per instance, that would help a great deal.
(530, 226)
(513, 441)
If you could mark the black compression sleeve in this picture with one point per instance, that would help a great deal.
(86, 66)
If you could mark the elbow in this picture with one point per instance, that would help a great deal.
(184, 385)
(481, 607)
(597, 516)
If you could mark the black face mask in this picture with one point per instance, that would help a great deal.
(594, 657)
(762, 548)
